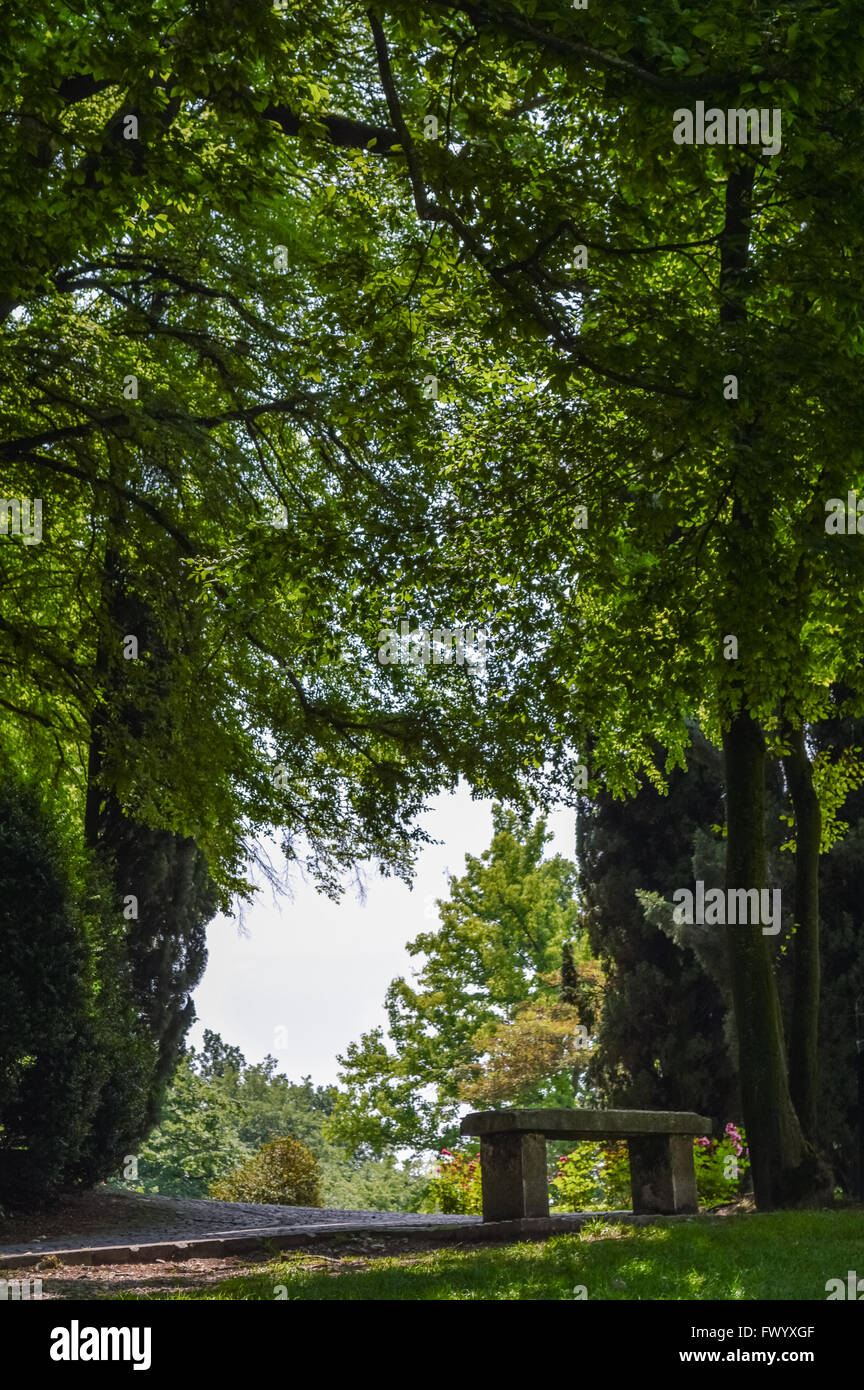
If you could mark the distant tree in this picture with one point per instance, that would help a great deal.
(271, 1105)
(495, 955)
(373, 1184)
(196, 1140)
(219, 1110)
(217, 1059)
(537, 1050)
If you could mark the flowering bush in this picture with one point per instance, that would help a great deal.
(455, 1187)
(721, 1165)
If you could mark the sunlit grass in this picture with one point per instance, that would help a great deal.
(782, 1255)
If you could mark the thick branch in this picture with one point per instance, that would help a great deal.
(343, 131)
(513, 23)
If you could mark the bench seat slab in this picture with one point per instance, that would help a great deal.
(586, 1124)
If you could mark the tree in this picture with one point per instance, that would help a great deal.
(486, 985)
(196, 1139)
(637, 1059)
(43, 1002)
(835, 745)
(541, 1046)
(219, 455)
(219, 461)
(662, 1041)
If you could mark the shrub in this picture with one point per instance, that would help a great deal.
(455, 1186)
(282, 1173)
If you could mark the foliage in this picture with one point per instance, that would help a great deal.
(583, 297)
(371, 1184)
(837, 772)
(541, 1044)
(267, 1104)
(705, 582)
(282, 1172)
(662, 1042)
(455, 1185)
(219, 442)
(633, 1033)
(44, 1081)
(842, 941)
(165, 941)
(594, 1177)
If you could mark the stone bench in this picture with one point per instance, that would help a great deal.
(513, 1155)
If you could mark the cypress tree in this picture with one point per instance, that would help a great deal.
(661, 1041)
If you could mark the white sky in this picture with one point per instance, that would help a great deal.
(319, 970)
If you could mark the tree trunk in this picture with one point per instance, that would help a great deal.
(804, 1021)
(786, 1170)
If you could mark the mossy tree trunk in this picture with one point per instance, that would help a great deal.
(804, 1020)
(786, 1170)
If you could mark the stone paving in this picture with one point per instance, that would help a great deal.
(142, 1219)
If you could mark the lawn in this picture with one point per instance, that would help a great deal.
(780, 1255)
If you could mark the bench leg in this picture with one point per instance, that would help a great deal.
(662, 1173)
(513, 1174)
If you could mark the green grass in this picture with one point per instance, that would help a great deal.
(780, 1255)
